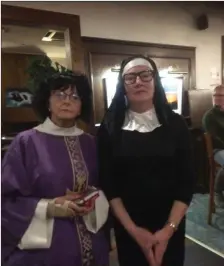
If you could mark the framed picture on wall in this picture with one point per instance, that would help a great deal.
(110, 85)
(173, 87)
(18, 97)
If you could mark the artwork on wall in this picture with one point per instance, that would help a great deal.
(18, 97)
(110, 84)
(173, 87)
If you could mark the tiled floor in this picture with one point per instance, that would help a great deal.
(195, 256)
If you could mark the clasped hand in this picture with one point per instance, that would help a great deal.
(153, 245)
(65, 206)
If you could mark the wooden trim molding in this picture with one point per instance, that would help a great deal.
(133, 43)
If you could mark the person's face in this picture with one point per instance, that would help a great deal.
(139, 84)
(218, 97)
(65, 105)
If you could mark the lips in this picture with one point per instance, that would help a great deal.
(139, 91)
(65, 110)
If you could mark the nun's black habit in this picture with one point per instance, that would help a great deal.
(148, 171)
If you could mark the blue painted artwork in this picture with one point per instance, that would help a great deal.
(18, 97)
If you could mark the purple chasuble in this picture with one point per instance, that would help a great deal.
(43, 166)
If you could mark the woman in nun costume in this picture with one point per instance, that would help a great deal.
(44, 171)
(146, 169)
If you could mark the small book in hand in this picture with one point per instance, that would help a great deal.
(87, 196)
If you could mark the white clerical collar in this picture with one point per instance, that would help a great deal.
(49, 127)
(142, 122)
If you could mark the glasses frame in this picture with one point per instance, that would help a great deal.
(138, 74)
(62, 96)
(218, 95)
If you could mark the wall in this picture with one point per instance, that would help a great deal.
(162, 22)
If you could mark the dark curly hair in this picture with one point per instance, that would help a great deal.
(62, 81)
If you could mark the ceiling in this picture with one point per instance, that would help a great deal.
(19, 39)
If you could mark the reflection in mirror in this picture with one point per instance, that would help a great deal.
(20, 45)
(34, 41)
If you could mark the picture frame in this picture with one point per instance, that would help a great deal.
(173, 87)
(18, 98)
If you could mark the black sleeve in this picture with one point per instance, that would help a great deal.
(185, 172)
(107, 175)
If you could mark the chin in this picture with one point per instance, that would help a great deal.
(142, 98)
(67, 117)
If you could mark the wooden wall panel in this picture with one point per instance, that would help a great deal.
(14, 76)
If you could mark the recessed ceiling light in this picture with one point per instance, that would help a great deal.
(46, 39)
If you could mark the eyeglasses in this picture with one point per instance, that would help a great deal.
(61, 95)
(145, 76)
(218, 95)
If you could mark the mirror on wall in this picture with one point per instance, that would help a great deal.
(20, 45)
(34, 41)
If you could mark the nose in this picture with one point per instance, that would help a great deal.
(67, 99)
(138, 80)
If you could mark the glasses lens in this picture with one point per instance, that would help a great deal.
(146, 76)
(74, 97)
(130, 79)
(60, 95)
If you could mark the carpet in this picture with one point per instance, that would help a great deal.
(198, 228)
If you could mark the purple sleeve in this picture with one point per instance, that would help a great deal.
(18, 205)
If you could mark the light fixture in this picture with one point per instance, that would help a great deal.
(46, 39)
(48, 36)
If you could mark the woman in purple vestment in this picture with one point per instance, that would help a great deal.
(43, 172)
